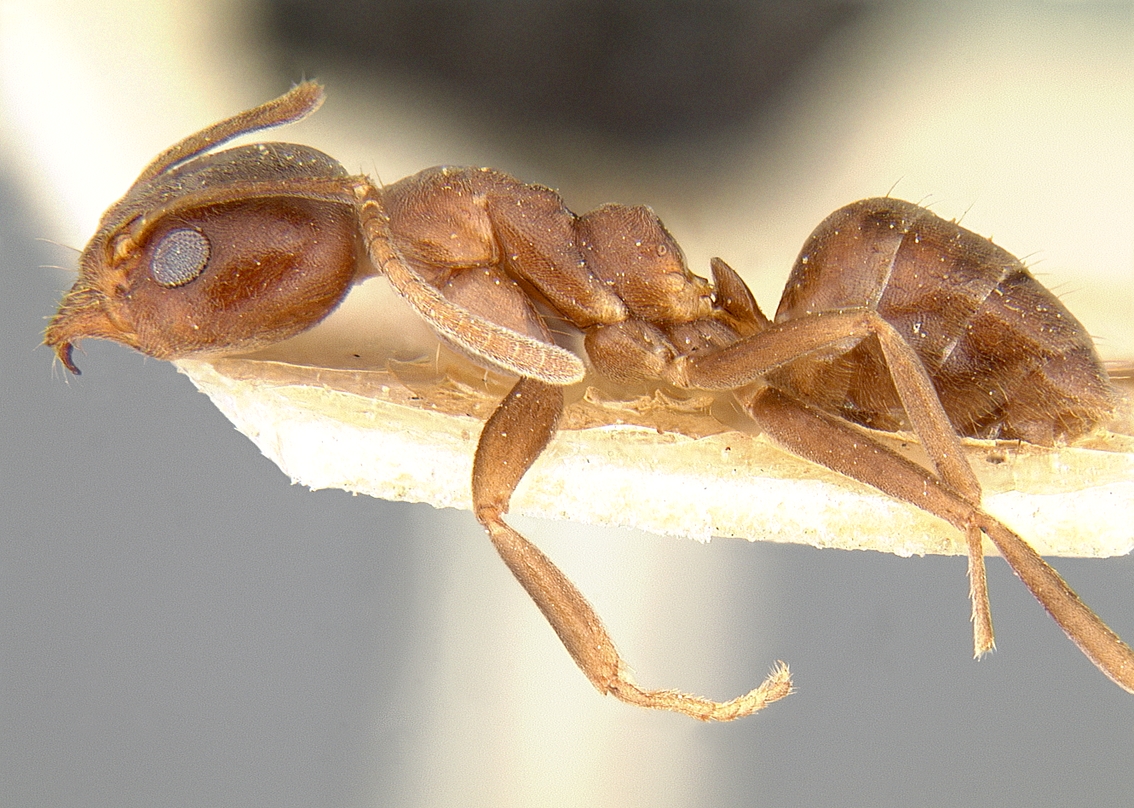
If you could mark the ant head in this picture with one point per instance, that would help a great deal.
(218, 252)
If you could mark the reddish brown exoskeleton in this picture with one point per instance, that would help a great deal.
(892, 318)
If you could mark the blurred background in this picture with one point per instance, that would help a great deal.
(180, 626)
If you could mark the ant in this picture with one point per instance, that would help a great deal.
(892, 318)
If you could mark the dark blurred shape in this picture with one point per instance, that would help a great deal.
(641, 72)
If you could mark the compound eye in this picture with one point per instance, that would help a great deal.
(180, 256)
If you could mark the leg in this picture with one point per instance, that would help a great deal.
(499, 346)
(837, 445)
(1079, 622)
(511, 441)
(750, 358)
(747, 360)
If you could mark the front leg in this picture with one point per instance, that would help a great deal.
(511, 441)
(495, 344)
